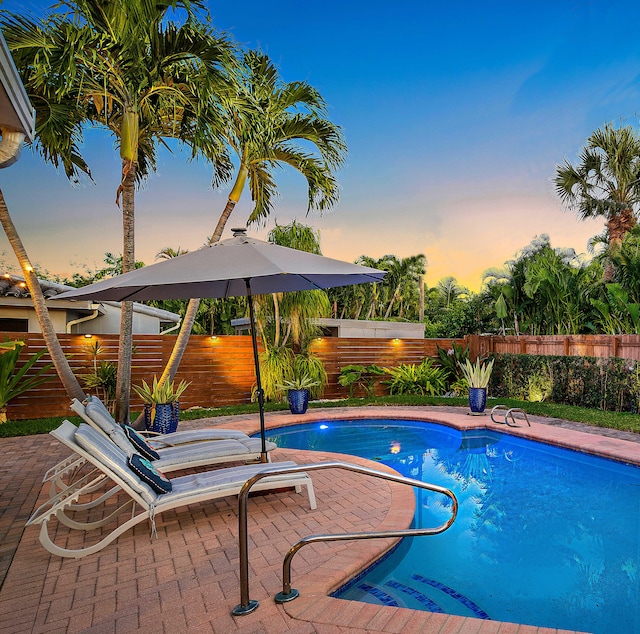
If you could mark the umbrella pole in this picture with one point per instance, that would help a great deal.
(259, 390)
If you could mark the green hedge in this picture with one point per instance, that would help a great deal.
(598, 383)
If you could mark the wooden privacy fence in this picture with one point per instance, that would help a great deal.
(222, 373)
(336, 353)
(220, 369)
(624, 346)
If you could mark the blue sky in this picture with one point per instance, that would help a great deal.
(456, 115)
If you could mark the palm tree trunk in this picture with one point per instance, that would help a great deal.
(60, 362)
(125, 344)
(396, 293)
(617, 226)
(276, 320)
(189, 319)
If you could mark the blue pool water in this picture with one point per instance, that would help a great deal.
(544, 536)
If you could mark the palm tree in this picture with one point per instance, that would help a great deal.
(284, 320)
(402, 273)
(605, 182)
(627, 262)
(272, 124)
(297, 309)
(168, 252)
(499, 287)
(559, 285)
(449, 290)
(368, 295)
(123, 65)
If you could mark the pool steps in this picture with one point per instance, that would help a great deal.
(386, 597)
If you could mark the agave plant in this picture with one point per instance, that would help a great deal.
(302, 382)
(477, 374)
(158, 394)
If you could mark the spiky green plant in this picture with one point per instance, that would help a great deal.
(304, 382)
(477, 374)
(13, 382)
(103, 379)
(157, 394)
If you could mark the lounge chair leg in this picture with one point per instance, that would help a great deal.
(312, 495)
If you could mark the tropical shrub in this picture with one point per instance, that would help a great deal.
(451, 359)
(410, 378)
(13, 381)
(281, 367)
(308, 366)
(599, 383)
(103, 380)
(276, 364)
(362, 376)
(540, 386)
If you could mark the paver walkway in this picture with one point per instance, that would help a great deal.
(187, 579)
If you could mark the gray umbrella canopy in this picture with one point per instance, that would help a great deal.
(221, 270)
(236, 267)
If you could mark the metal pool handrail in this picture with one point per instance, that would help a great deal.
(510, 412)
(246, 605)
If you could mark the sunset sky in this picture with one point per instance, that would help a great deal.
(455, 114)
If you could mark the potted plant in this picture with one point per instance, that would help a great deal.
(298, 392)
(477, 376)
(161, 404)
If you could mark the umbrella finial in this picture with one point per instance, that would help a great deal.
(239, 232)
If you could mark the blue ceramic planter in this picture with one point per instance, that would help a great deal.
(477, 399)
(166, 419)
(298, 401)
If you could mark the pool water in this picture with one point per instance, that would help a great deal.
(544, 536)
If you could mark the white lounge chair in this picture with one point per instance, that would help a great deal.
(96, 413)
(111, 463)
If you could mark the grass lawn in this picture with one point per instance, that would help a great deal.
(624, 421)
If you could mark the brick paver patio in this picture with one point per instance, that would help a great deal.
(187, 579)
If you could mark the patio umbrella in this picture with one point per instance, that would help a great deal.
(237, 266)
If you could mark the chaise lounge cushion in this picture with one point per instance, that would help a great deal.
(100, 415)
(114, 459)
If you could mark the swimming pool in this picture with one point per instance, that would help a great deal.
(544, 536)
